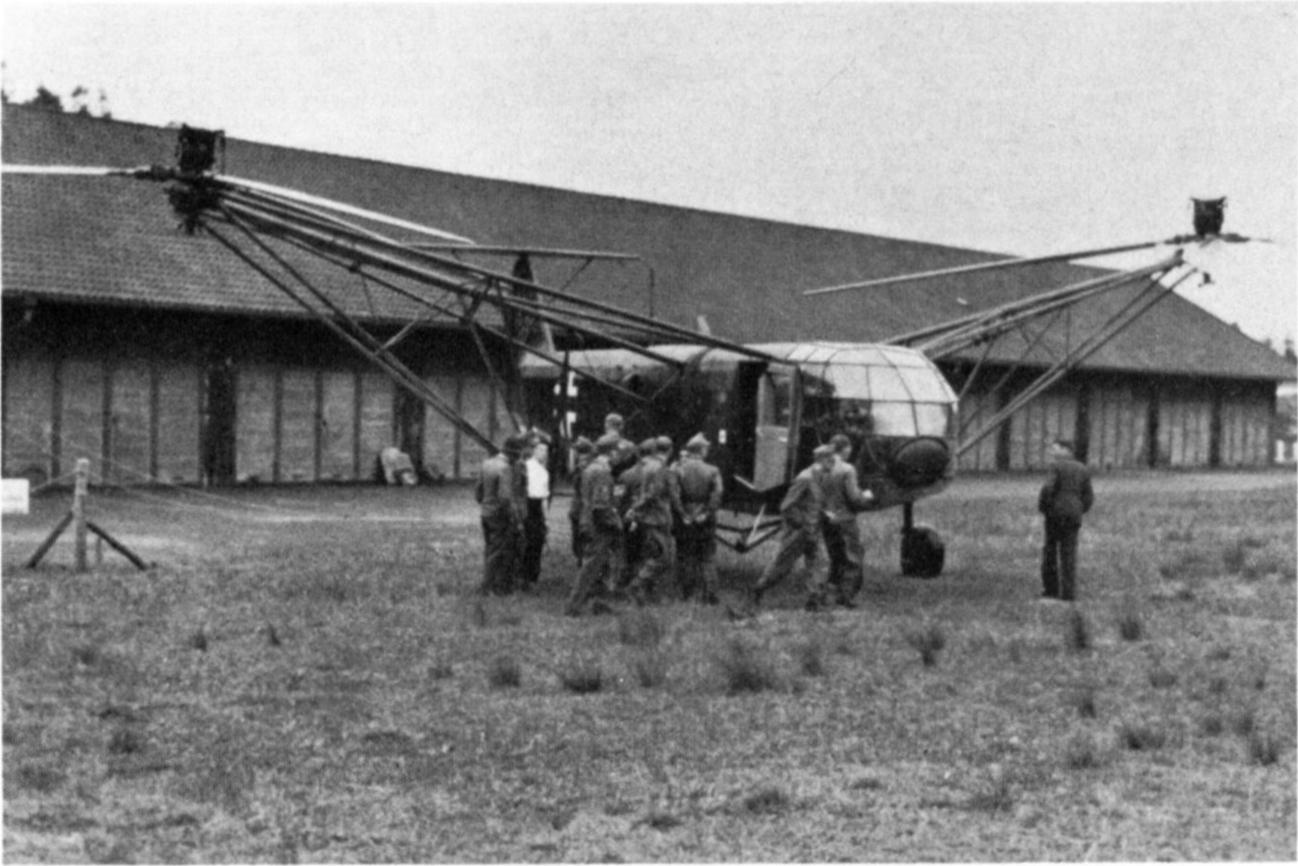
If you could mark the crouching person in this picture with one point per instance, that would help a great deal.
(800, 533)
(600, 527)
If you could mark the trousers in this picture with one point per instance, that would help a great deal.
(1059, 558)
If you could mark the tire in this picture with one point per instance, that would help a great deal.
(922, 552)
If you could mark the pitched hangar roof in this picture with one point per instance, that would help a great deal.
(115, 240)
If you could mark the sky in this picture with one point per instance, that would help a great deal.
(1023, 129)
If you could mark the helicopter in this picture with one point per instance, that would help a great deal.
(564, 361)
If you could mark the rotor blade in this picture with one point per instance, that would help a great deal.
(73, 170)
(352, 210)
(538, 252)
(989, 266)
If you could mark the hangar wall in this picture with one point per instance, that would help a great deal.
(1127, 422)
(153, 411)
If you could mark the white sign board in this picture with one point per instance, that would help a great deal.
(16, 495)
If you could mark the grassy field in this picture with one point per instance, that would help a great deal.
(308, 675)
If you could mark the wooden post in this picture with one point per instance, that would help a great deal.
(79, 511)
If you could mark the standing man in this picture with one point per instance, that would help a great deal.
(583, 451)
(496, 492)
(843, 501)
(537, 473)
(628, 487)
(601, 528)
(651, 512)
(701, 491)
(1064, 498)
(800, 534)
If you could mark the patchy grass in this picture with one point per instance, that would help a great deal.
(358, 701)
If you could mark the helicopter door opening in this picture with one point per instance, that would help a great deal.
(774, 419)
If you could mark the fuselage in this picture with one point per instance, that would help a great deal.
(764, 418)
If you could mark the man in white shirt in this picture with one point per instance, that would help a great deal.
(538, 501)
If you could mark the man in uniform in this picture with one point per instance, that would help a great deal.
(497, 493)
(800, 533)
(583, 451)
(700, 495)
(651, 513)
(843, 501)
(601, 528)
(1064, 498)
(628, 487)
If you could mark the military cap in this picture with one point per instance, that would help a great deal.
(538, 437)
(823, 451)
(583, 445)
(698, 444)
(607, 443)
(648, 446)
(516, 443)
(664, 444)
(840, 441)
(612, 419)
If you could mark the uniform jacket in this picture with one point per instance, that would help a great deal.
(805, 500)
(497, 488)
(701, 490)
(843, 497)
(598, 510)
(654, 505)
(1067, 494)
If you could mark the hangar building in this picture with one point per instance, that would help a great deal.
(165, 359)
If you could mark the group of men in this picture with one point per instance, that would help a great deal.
(641, 519)
(513, 492)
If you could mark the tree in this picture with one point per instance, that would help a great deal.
(45, 99)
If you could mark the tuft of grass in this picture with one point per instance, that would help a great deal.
(928, 641)
(125, 741)
(662, 821)
(1218, 686)
(1077, 634)
(745, 668)
(1084, 701)
(38, 777)
(866, 783)
(640, 627)
(582, 678)
(1131, 626)
(441, 670)
(1243, 722)
(1219, 654)
(998, 796)
(1234, 557)
(1080, 753)
(478, 613)
(86, 654)
(198, 640)
(1015, 650)
(649, 667)
(1162, 678)
(1263, 749)
(504, 672)
(1140, 737)
(811, 658)
(768, 801)
(1212, 725)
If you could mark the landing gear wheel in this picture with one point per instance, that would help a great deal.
(922, 552)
